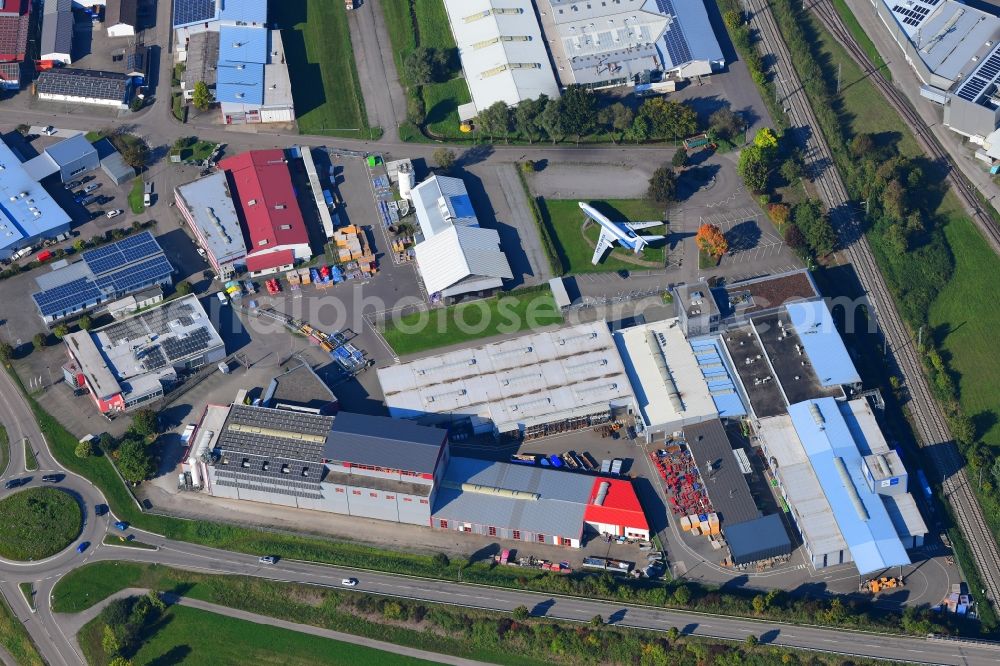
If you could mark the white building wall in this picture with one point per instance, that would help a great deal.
(277, 115)
(80, 100)
(121, 30)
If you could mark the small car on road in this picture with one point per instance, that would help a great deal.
(121, 525)
(267, 559)
(90, 188)
(349, 582)
(52, 478)
(14, 483)
(83, 546)
(100, 509)
(112, 213)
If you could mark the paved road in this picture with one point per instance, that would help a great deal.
(930, 425)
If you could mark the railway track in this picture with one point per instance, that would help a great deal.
(931, 426)
(965, 190)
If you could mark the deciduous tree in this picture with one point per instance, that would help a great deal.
(711, 240)
(662, 185)
(753, 168)
(725, 123)
(444, 158)
(526, 116)
(134, 461)
(145, 422)
(495, 120)
(201, 96)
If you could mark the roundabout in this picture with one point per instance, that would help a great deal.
(38, 523)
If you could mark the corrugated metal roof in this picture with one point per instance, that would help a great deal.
(758, 539)
(240, 83)
(822, 342)
(502, 50)
(620, 505)
(459, 252)
(384, 442)
(214, 213)
(558, 510)
(243, 44)
(434, 203)
(727, 487)
(836, 461)
(70, 150)
(250, 11)
(539, 376)
(17, 219)
(263, 188)
(57, 28)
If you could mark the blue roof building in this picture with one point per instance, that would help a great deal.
(240, 83)
(823, 344)
(837, 462)
(27, 212)
(242, 44)
(253, 12)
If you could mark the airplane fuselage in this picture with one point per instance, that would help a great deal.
(621, 233)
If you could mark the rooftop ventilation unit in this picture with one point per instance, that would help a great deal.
(817, 415)
(852, 492)
(656, 348)
(602, 493)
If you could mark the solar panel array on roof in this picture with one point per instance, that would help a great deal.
(83, 83)
(110, 272)
(987, 73)
(177, 348)
(913, 14)
(192, 11)
(277, 433)
(677, 46)
(67, 296)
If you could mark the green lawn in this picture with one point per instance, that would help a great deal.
(28, 592)
(37, 523)
(197, 637)
(565, 219)
(324, 78)
(442, 101)
(508, 313)
(965, 316)
(15, 638)
(112, 540)
(961, 317)
(861, 37)
(30, 461)
(135, 197)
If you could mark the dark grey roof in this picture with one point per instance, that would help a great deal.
(202, 59)
(299, 385)
(70, 150)
(57, 27)
(758, 539)
(381, 441)
(727, 488)
(121, 11)
(554, 503)
(84, 83)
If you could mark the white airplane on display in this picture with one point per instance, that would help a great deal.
(623, 233)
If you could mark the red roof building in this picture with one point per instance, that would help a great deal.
(614, 509)
(261, 187)
(13, 29)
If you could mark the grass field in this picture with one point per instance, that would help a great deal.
(15, 638)
(320, 59)
(180, 636)
(135, 197)
(565, 219)
(30, 461)
(964, 323)
(863, 40)
(441, 100)
(961, 317)
(508, 313)
(37, 523)
(28, 592)
(112, 540)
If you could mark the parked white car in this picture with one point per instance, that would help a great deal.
(113, 213)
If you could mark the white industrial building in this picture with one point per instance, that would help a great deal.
(846, 490)
(503, 54)
(676, 384)
(955, 51)
(602, 44)
(85, 86)
(533, 385)
(121, 17)
(455, 255)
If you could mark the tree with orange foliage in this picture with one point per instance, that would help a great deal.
(711, 240)
(779, 214)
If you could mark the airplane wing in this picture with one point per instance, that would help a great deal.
(603, 244)
(635, 226)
